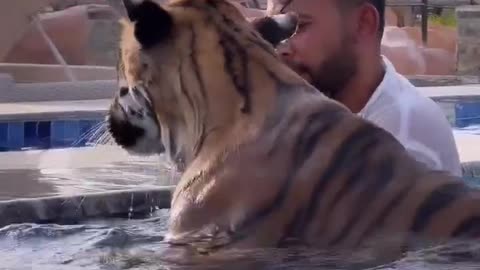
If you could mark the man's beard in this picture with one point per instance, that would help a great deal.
(334, 73)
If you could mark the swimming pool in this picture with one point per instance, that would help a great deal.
(20, 135)
(72, 168)
(463, 112)
(47, 134)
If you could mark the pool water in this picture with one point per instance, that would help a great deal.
(462, 112)
(72, 166)
(76, 171)
(138, 244)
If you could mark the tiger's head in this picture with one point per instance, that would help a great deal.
(190, 74)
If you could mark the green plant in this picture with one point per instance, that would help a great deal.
(444, 20)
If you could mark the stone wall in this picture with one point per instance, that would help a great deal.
(468, 50)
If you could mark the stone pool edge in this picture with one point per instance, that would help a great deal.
(74, 209)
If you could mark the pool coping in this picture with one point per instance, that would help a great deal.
(139, 203)
(54, 110)
(97, 108)
(75, 209)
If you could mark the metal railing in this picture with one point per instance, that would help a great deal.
(425, 5)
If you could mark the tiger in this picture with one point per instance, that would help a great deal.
(266, 160)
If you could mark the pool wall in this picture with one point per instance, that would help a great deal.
(47, 134)
(118, 204)
(75, 209)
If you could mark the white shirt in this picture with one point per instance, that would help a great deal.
(415, 120)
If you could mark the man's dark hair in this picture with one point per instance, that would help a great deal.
(378, 4)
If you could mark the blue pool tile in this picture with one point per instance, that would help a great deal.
(15, 135)
(37, 134)
(86, 126)
(64, 133)
(467, 114)
(57, 131)
(3, 134)
(87, 131)
(43, 130)
(45, 134)
(29, 134)
(71, 129)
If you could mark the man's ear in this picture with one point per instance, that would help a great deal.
(276, 28)
(153, 24)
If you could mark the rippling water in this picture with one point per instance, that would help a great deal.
(137, 243)
(34, 174)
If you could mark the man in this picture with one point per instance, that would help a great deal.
(337, 47)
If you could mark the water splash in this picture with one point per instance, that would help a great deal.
(96, 135)
(130, 209)
(56, 53)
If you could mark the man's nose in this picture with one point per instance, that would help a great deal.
(284, 50)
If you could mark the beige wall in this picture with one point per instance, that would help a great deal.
(14, 19)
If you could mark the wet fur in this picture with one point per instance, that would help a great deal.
(271, 161)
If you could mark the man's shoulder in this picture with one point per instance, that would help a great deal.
(410, 98)
(413, 118)
(398, 102)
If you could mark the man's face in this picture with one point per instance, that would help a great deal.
(323, 49)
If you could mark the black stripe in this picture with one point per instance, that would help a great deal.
(280, 118)
(196, 67)
(244, 85)
(370, 192)
(291, 230)
(311, 130)
(172, 144)
(184, 90)
(386, 212)
(120, 66)
(317, 125)
(470, 227)
(235, 55)
(435, 202)
(330, 115)
(350, 152)
(311, 134)
(200, 123)
(236, 62)
(358, 172)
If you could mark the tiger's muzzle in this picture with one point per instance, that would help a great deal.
(133, 122)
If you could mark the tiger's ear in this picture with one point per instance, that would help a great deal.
(153, 24)
(276, 28)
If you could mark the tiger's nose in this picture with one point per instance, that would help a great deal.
(123, 91)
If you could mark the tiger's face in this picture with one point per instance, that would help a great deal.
(165, 102)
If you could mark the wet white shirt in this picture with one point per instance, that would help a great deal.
(415, 120)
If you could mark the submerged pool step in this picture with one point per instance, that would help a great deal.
(75, 209)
